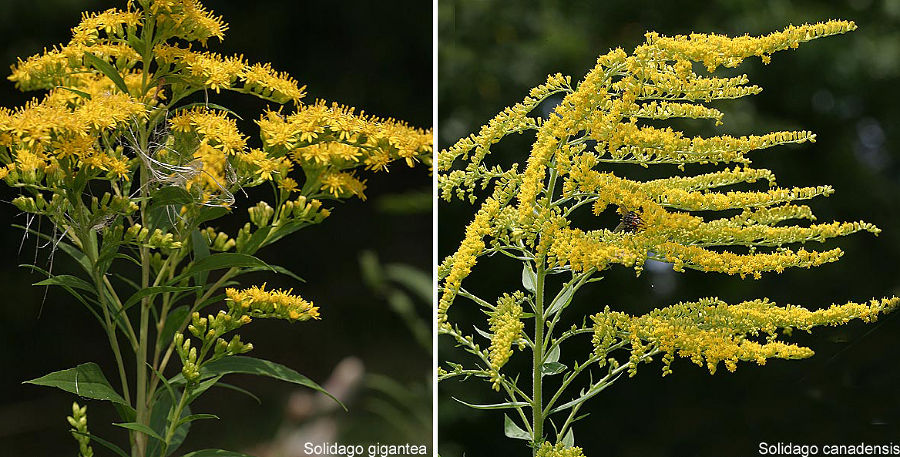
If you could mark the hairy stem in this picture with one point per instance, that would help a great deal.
(537, 405)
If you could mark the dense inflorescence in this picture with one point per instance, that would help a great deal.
(708, 209)
(132, 162)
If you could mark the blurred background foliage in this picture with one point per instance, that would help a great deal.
(375, 56)
(846, 89)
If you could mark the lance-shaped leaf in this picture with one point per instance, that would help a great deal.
(259, 367)
(505, 405)
(85, 380)
(511, 430)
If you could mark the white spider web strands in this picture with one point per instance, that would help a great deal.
(179, 175)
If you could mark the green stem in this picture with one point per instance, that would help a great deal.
(110, 328)
(537, 406)
(170, 432)
(165, 360)
(120, 313)
(141, 359)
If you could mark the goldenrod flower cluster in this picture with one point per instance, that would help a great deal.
(280, 304)
(129, 167)
(711, 331)
(106, 116)
(603, 120)
(217, 72)
(116, 111)
(186, 19)
(506, 327)
(729, 218)
(333, 139)
(243, 306)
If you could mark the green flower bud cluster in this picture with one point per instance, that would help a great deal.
(302, 209)
(261, 214)
(211, 327)
(105, 209)
(157, 239)
(38, 204)
(209, 330)
(243, 237)
(233, 347)
(190, 369)
(218, 241)
(109, 204)
(78, 421)
(558, 450)
(290, 216)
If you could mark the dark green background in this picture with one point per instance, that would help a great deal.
(375, 56)
(843, 88)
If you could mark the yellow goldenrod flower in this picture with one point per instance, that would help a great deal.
(732, 218)
(342, 185)
(280, 304)
(279, 86)
(710, 331)
(210, 70)
(378, 141)
(506, 328)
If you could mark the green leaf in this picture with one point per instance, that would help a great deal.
(159, 421)
(276, 269)
(170, 195)
(173, 321)
(287, 229)
(102, 442)
(201, 388)
(137, 44)
(511, 430)
(107, 70)
(259, 367)
(165, 382)
(85, 380)
(76, 254)
(416, 280)
(126, 413)
(140, 428)
(208, 105)
(256, 240)
(68, 288)
(552, 368)
(151, 291)
(109, 251)
(486, 335)
(201, 251)
(528, 278)
(81, 94)
(215, 453)
(208, 213)
(506, 405)
(214, 300)
(562, 300)
(583, 398)
(224, 260)
(130, 259)
(196, 417)
(238, 389)
(553, 355)
(569, 440)
(72, 251)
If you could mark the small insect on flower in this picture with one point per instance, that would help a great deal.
(631, 222)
